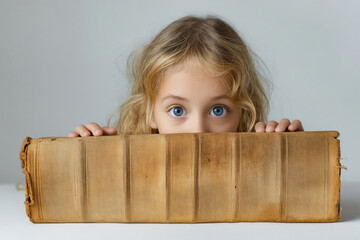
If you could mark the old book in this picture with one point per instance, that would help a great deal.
(184, 178)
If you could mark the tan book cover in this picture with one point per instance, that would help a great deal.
(184, 178)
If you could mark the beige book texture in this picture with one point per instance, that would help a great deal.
(184, 178)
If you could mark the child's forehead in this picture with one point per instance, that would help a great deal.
(193, 79)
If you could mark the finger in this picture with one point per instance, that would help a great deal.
(270, 127)
(296, 125)
(283, 125)
(95, 129)
(260, 127)
(82, 131)
(109, 131)
(73, 134)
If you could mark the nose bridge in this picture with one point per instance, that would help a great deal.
(198, 123)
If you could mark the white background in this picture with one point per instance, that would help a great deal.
(63, 63)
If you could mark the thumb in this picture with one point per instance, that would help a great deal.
(109, 131)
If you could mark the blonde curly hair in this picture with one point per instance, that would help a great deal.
(221, 52)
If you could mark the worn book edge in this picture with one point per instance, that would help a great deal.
(29, 198)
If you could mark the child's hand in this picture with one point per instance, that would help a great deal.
(92, 129)
(283, 126)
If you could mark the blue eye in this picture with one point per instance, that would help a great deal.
(177, 111)
(218, 111)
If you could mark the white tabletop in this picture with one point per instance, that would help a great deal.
(14, 224)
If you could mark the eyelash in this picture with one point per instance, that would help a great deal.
(174, 106)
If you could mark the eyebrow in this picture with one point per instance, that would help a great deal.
(186, 100)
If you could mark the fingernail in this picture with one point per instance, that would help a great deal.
(97, 132)
(85, 133)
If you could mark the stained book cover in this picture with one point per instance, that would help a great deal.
(184, 178)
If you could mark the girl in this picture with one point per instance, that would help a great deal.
(197, 75)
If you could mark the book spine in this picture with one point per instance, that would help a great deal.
(29, 200)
